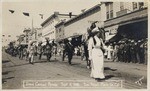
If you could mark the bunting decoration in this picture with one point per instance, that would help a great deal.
(11, 11)
(26, 14)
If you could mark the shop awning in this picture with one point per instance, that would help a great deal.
(136, 31)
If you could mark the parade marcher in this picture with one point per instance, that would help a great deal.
(40, 50)
(82, 52)
(96, 55)
(20, 51)
(24, 52)
(32, 51)
(48, 50)
(54, 48)
(69, 48)
(63, 50)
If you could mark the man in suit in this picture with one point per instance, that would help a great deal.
(69, 49)
(40, 50)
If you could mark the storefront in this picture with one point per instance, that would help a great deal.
(133, 25)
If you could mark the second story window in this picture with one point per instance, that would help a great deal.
(134, 5)
(141, 4)
(109, 10)
(111, 14)
(121, 6)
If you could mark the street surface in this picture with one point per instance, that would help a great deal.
(15, 71)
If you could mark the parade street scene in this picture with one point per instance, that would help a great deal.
(73, 44)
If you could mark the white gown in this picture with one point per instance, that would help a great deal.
(96, 57)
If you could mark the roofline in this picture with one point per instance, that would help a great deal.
(47, 20)
(98, 5)
(58, 24)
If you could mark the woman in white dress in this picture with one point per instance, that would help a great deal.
(96, 55)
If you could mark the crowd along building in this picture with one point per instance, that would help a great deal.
(113, 16)
(128, 19)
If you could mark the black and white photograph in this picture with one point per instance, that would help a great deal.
(74, 44)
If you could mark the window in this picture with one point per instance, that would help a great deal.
(121, 6)
(109, 10)
(134, 5)
(141, 4)
(107, 15)
(111, 14)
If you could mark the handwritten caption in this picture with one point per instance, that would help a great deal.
(70, 84)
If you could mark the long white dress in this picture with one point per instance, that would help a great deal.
(96, 57)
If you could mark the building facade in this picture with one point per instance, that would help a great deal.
(123, 13)
(79, 24)
(60, 31)
(48, 26)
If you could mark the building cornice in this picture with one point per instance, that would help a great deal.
(85, 14)
(48, 19)
(59, 24)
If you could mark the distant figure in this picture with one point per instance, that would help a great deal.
(32, 51)
(20, 51)
(40, 50)
(48, 50)
(54, 48)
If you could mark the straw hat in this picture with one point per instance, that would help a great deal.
(69, 39)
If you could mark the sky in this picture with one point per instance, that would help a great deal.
(14, 24)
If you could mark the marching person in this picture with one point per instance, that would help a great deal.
(70, 50)
(48, 50)
(32, 50)
(54, 47)
(40, 50)
(20, 51)
(96, 55)
(63, 45)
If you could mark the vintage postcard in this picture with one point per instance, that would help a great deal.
(74, 44)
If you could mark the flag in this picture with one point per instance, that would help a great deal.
(12, 11)
(41, 16)
(26, 14)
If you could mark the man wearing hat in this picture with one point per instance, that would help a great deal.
(69, 49)
(40, 50)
